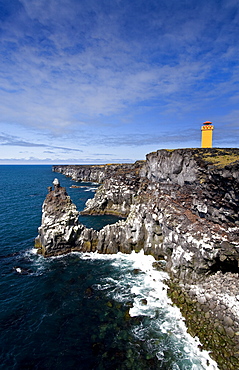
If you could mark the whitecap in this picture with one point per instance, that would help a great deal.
(148, 292)
(91, 189)
(139, 283)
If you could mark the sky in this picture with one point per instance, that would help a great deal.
(108, 81)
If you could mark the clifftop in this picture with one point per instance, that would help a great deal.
(219, 157)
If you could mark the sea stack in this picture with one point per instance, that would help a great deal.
(59, 219)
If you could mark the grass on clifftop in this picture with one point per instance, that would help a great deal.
(222, 160)
(221, 157)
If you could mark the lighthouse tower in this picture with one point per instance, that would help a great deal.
(207, 130)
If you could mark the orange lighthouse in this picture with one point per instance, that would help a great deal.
(207, 130)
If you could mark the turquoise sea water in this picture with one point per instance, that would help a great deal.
(80, 311)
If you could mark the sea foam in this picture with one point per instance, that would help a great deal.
(165, 325)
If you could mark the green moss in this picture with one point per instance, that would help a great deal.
(222, 160)
(38, 244)
(219, 157)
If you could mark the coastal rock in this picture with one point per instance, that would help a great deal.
(96, 173)
(119, 188)
(59, 219)
(181, 206)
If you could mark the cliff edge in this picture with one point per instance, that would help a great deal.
(181, 206)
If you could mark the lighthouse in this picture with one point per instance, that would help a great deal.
(207, 130)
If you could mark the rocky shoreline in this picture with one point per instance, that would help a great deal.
(181, 206)
(211, 314)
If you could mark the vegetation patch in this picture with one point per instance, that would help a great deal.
(222, 160)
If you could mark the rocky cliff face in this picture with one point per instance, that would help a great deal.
(198, 207)
(96, 173)
(116, 194)
(181, 206)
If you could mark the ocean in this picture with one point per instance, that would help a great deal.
(81, 311)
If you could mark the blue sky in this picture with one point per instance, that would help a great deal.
(101, 81)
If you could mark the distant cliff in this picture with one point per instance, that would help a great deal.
(181, 206)
(98, 173)
(120, 184)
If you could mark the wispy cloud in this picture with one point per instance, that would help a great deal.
(10, 140)
(77, 61)
(60, 160)
(81, 68)
(135, 140)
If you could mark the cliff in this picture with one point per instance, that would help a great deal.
(185, 197)
(97, 173)
(181, 206)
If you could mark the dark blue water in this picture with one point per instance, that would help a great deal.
(80, 311)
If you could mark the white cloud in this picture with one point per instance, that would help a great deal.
(81, 68)
(10, 140)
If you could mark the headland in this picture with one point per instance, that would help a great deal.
(182, 207)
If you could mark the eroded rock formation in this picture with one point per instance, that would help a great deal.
(182, 207)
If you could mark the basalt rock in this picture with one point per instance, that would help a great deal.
(98, 173)
(59, 222)
(181, 206)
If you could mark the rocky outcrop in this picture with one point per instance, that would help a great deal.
(181, 206)
(116, 195)
(60, 231)
(210, 307)
(59, 218)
